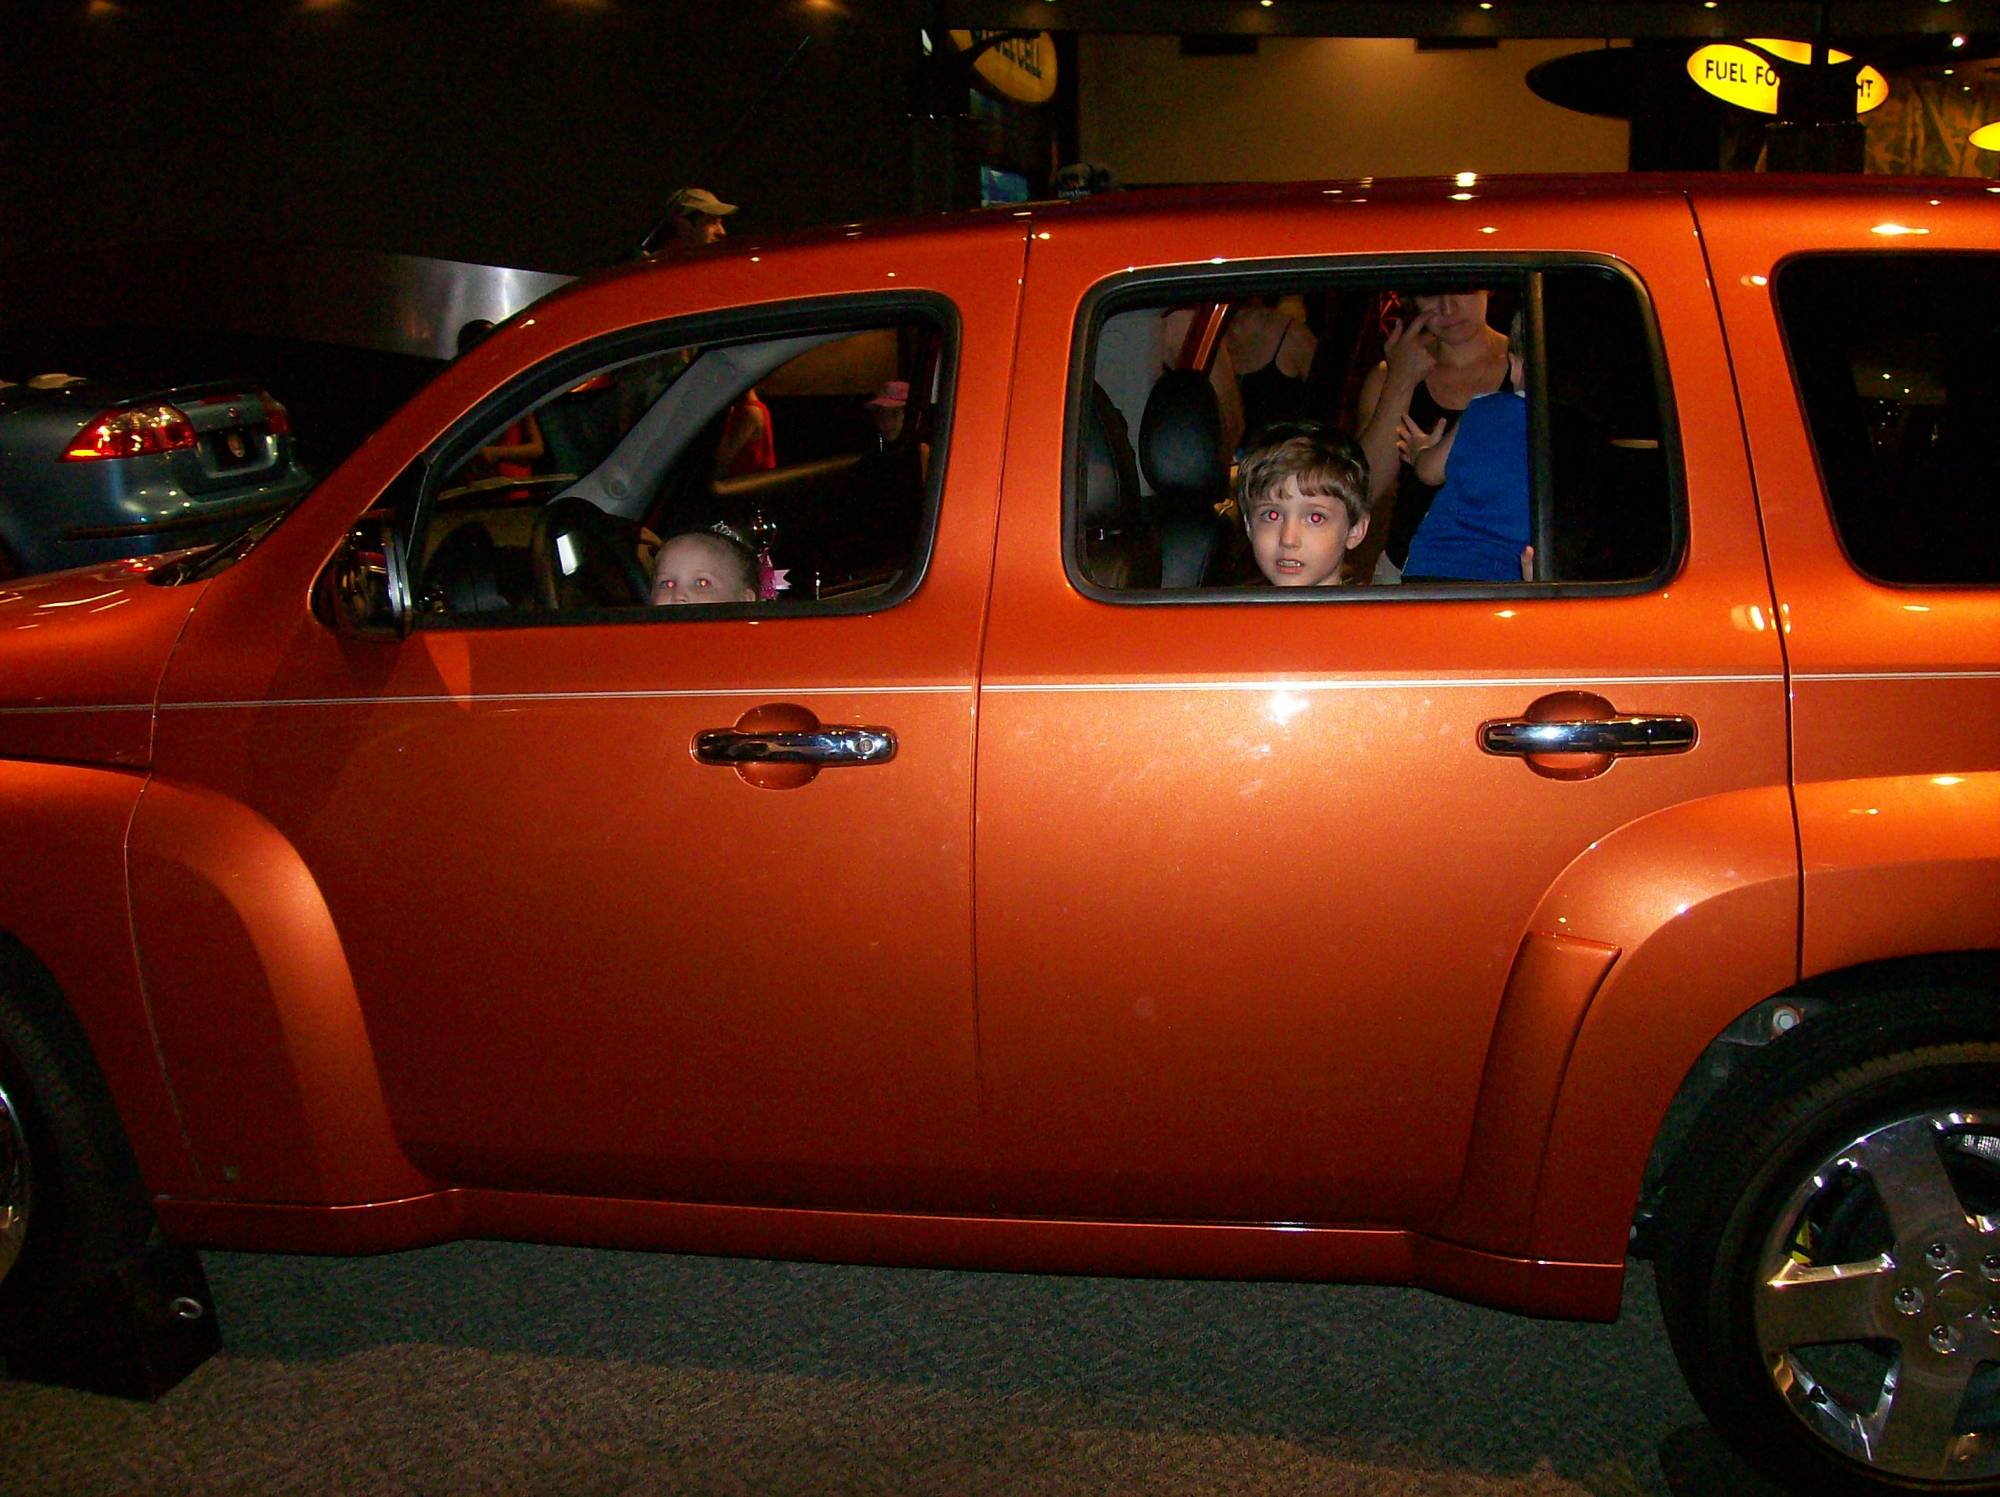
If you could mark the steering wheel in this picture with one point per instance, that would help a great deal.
(599, 568)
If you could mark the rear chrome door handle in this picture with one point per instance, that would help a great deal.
(1618, 736)
(1578, 735)
(828, 744)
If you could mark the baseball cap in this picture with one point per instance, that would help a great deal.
(699, 200)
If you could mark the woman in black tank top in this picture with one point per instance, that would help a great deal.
(1440, 359)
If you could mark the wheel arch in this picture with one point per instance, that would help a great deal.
(1776, 1019)
(255, 1005)
(1651, 942)
(66, 944)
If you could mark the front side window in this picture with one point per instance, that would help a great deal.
(1431, 428)
(794, 470)
(1892, 358)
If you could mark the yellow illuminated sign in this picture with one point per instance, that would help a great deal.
(1021, 68)
(1739, 76)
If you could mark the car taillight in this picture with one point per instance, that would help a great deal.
(276, 417)
(132, 432)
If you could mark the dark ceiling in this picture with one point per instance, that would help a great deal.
(1465, 18)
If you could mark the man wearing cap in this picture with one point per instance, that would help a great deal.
(697, 216)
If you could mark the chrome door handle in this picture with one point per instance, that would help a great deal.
(1621, 736)
(821, 746)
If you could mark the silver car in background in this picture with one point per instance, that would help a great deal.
(92, 471)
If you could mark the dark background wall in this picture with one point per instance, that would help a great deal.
(540, 133)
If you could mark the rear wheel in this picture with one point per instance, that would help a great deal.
(1830, 1272)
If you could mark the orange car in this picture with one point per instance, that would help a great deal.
(1003, 874)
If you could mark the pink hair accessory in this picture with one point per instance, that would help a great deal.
(770, 580)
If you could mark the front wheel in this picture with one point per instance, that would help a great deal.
(1830, 1273)
(71, 1204)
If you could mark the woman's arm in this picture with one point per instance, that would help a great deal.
(1385, 399)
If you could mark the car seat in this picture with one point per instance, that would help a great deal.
(1180, 450)
(1117, 551)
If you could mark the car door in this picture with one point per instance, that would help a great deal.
(1250, 890)
(529, 917)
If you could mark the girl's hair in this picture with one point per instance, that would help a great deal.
(737, 549)
(1327, 463)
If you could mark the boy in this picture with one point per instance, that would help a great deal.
(1303, 492)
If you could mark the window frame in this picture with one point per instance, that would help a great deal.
(1150, 288)
(842, 314)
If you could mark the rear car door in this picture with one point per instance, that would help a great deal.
(1249, 890)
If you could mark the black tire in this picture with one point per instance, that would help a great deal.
(66, 1171)
(1830, 1292)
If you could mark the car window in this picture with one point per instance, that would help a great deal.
(1890, 353)
(801, 465)
(1187, 385)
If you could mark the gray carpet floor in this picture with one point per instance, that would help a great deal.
(489, 1368)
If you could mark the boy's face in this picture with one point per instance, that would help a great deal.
(699, 569)
(1300, 540)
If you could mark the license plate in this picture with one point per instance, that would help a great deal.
(236, 448)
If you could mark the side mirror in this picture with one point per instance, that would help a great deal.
(367, 588)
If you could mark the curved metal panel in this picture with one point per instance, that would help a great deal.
(255, 1009)
(1703, 899)
(62, 896)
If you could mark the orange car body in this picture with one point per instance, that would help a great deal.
(1174, 940)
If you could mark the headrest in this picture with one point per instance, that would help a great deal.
(1110, 476)
(1180, 438)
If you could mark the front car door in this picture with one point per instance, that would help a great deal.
(525, 916)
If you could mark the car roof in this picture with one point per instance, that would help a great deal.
(1211, 197)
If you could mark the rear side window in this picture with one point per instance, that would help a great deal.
(1893, 359)
(1191, 380)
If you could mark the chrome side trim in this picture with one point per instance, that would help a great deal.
(76, 708)
(1411, 683)
(449, 700)
(1896, 676)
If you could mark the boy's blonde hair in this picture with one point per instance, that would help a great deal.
(1328, 463)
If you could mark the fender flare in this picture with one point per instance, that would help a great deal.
(256, 1009)
(63, 903)
(1645, 948)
